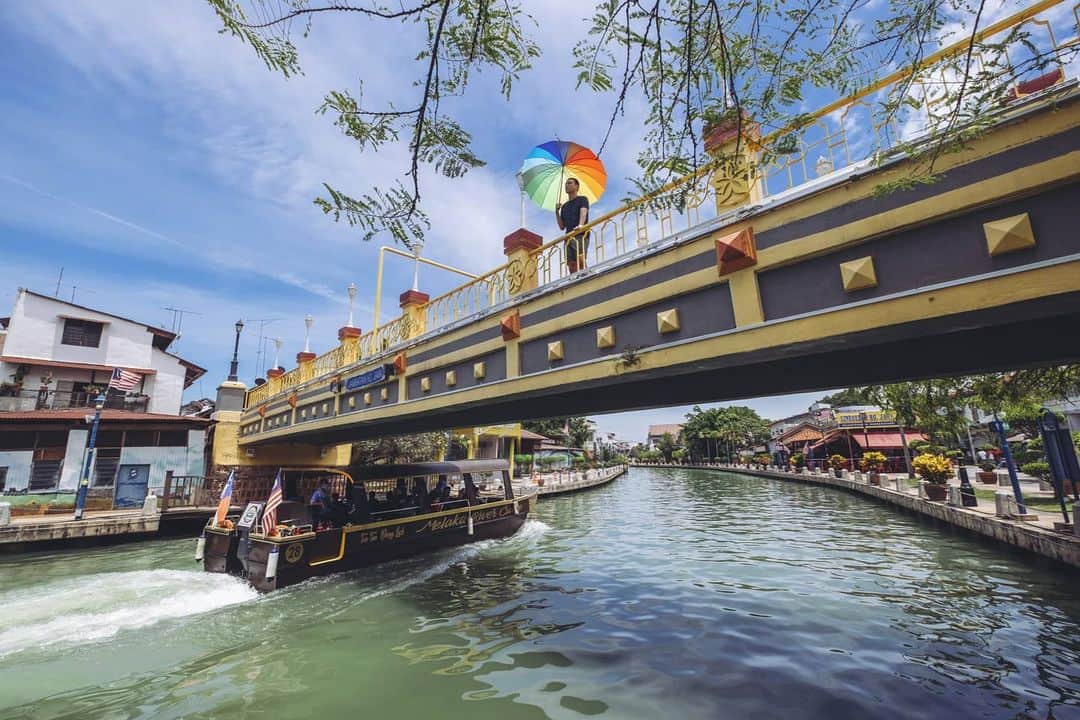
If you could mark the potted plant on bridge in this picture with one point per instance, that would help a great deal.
(797, 461)
(838, 463)
(873, 462)
(986, 473)
(935, 470)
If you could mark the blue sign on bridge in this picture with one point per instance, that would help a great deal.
(371, 377)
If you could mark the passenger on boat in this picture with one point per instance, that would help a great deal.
(320, 502)
(420, 494)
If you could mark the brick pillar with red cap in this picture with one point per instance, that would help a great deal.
(413, 304)
(519, 247)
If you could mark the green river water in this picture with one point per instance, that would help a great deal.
(666, 594)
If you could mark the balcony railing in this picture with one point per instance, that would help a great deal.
(1015, 59)
(31, 400)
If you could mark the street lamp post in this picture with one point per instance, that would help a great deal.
(999, 427)
(308, 320)
(277, 352)
(236, 349)
(84, 481)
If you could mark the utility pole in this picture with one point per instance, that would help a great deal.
(59, 279)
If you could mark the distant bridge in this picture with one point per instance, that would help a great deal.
(794, 277)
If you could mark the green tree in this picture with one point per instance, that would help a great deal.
(580, 430)
(690, 63)
(723, 430)
(667, 445)
(421, 447)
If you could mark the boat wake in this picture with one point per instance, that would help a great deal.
(92, 608)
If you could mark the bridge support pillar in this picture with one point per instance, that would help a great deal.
(519, 247)
(230, 406)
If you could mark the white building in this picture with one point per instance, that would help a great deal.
(55, 359)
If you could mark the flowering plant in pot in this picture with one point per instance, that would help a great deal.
(838, 463)
(935, 470)
(873, 462)
(986, 473)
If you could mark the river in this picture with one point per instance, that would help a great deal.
(666, 594)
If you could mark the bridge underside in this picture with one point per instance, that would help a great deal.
(839, 286)
(1039, 332)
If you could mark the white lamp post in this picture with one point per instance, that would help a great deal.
(308, 320)
(352, 298)
(277, 352)
(417, 248)
(823, 166)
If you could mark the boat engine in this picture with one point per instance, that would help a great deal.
(244, 526)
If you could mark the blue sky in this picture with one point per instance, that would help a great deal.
(161, 165)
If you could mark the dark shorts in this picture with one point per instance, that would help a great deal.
(574, 244)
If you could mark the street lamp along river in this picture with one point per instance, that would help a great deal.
(84, 481)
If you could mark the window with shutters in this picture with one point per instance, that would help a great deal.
(84, 333)
(45, 474)
(105, 466)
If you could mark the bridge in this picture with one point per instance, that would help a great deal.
(768, 272)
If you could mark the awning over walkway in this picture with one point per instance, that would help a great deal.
(885, 441)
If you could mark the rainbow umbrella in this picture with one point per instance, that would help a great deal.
(547, 166)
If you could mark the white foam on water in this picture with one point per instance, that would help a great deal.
(532, 530)
(92, 608)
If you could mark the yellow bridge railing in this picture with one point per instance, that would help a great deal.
(848, 132)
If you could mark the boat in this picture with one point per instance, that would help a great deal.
(379, 513)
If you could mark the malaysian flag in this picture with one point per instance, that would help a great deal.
(269, 518)
(124, 380)
(226, 500)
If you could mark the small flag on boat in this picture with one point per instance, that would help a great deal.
(124, 380)
(226, 500)
(269, 521)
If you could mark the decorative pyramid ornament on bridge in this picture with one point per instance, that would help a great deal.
(511, 326)
(605, 337)
(1009, 234)
(735, 252)
(479, 370)
(667, 321)
(555, 351)
(858, 274)
(451, 378)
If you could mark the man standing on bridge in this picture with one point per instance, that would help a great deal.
(571, 215)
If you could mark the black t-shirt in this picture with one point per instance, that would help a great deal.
(571, 212)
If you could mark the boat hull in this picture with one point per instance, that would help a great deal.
(352, 547)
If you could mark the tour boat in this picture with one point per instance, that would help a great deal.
(379, 513)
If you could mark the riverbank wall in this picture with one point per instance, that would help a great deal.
(1062, 547)
(565, 483)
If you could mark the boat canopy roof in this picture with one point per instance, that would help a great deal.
(448, 467)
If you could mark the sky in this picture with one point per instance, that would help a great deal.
(159, 164)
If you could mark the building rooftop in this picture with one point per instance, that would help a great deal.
(672, 429)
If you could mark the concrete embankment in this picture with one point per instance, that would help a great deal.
(40, 533)
(563, 483)
(1058, 546)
